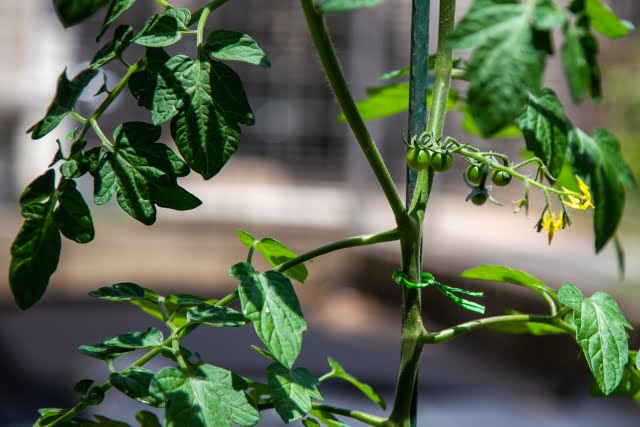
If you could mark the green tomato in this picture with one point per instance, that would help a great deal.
(479, 199)
(441, 162)
(500, 178)
(474, 174)
(418, 159)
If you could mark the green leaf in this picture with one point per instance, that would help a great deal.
(396, 74)
(275, 253)
(208, 102)
(160, 30)
(142, 84)
(176, 305)
(36, 249)
(549, 16)
(150, 338)
(116, 8)
(504, 274)
(503, 38)
(328, 419)
(545, 129)
(270, 302)
(599, 162)
(580, 62)
(134, 381)
(310, 422)
(600, 332)
(605, 21)
(71, 12)
(104, 352)
(78, 163)
(126, 291)
(67, 94)
(212, 397)
(122, 38)
(229, 45)
(264, 353)
(102, 421)
(72, 215)
(82, 387)
(470, 126)
(221, 317)
(388, 100)
(142, 174)
(147, 419)
(339, 6)
(337, 371)
(292, 391)
(246, 238)
(629, 386)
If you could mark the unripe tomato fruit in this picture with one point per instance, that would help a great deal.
(474, 174)
(441, 162)
(479, 199)
(418, 159)
(500, 178)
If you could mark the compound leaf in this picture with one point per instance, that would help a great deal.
(504, 274)
(292, 391)
(503, 38)
(160, 30)
(339, 6)
(71, 12)
(152, 337)
(337, 371)
(599, 162)
(134, 381)
(579, 59)
(211, 315)
(141, 173)
(208, 102)
(122, 38)
(36, 249)
(545, 128)
(600, 332)
(211, 397)
(147, 419)
(72, 216)
(229, 45)
(67, 94)
(605, 21)
(270, 302)
(116, 8)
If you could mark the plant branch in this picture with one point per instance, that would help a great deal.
(164, 4)
(331, 65)
(350, 242)
(363, 417)
(463, 328)
(109, 99)
(179, 334)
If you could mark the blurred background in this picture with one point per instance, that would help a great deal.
(299, 177)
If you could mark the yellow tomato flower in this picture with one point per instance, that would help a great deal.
(579, 201)
(550, 223)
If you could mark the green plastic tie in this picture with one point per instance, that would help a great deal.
(427, 279)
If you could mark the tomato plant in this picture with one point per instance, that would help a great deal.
(202, 101)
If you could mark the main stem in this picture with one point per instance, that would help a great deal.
(404, 412)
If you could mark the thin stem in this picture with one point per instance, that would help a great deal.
(363, 417)
(200, 31)
(101, 135)
(350, 242)
(209, 7)
(331, 65)
(164, 4)
(109, 99)
(78, 117)
(372, 420)
(463, 328)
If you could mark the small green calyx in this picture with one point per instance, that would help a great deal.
(427, 279)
